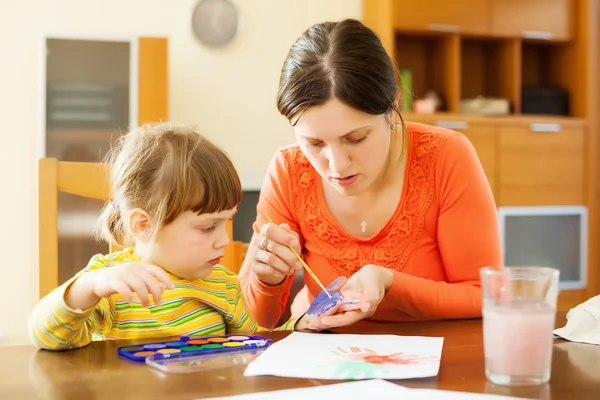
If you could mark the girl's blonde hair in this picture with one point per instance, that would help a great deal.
(165, 169)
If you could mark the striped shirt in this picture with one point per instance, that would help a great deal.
(213, 305)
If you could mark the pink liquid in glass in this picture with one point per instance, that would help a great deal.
(518, 342)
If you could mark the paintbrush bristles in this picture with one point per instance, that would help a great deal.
(306, 267)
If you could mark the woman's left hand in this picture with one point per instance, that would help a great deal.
(369, 285)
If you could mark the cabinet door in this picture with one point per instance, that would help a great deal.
(91, 92)
(483, 137)
(465, 16)
(536, 19)
(541, 164)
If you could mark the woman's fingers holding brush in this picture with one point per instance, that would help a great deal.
(273, 259)
(281, 234)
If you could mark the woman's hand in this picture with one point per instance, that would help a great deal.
(126, 279)
(369, 285)
(273, 260)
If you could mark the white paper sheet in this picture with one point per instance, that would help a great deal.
(321, 356)
(366, 389)
(375, 389)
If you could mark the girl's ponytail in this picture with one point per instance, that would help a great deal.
(110, 226)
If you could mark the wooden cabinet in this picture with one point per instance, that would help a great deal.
(541, 164)
(491, 48)
(535, 19)
(465, 16)
(93, 89)
(483, 137)
(527, 161)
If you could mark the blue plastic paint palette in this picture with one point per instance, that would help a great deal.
(191, 346)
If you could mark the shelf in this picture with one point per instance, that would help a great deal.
(432, 119)
(546, 66)
(432, 61)
(489, 68)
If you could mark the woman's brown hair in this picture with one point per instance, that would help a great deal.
(166, 169)
(345, 60)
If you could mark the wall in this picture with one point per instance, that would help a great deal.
(229, 94)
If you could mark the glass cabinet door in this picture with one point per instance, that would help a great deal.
(88, 106)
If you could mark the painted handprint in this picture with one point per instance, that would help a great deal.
(322, 303)
(372, 357)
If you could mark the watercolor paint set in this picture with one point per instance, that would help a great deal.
(193, 353)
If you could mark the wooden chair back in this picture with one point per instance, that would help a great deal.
(88, 180)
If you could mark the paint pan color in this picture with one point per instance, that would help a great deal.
(144, 353)
(240, 338)
(165, 351)
(233, 344)
(253, 342)
(212, 346)
(197, 341)
(190, 348)
(218, 340)
(176, 344)
(154, 346)
(133, 349)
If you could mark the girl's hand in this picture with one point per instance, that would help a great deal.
(369, 285)
(126, 279)
(273, 260)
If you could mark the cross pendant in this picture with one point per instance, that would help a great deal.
(363, 225)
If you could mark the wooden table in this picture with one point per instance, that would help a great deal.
(98, 372)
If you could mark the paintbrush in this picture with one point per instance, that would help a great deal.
(306, 267)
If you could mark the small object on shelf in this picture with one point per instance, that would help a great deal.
(428, 104)
(545, 100)
(406, 88)
(485, 106)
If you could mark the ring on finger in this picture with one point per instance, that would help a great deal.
(264, 243)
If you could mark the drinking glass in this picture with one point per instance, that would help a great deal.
(519, 309)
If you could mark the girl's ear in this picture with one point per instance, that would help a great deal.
(139, 224)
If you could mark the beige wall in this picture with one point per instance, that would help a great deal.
(229, 94)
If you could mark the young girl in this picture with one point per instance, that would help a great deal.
(173, 192)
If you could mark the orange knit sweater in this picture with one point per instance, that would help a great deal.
(442, 232)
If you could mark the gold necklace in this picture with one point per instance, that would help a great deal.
(363, 226)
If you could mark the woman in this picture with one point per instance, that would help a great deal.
(403, 210)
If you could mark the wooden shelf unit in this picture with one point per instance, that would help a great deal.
(494, 48)
(432, 61)
(465, 50)
(489, 67)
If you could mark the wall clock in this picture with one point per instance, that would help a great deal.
(215, 22)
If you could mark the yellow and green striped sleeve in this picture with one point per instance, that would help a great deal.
(238, 317)
(55, 326)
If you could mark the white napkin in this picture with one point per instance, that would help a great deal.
(583, 323)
